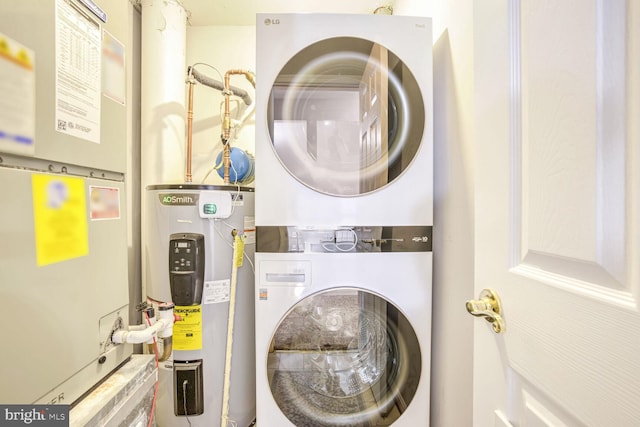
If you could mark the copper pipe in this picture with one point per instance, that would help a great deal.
(226, 123)
(218, 85)
(188, 176)
(167, 349)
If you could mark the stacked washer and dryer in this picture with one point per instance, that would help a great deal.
(344, 201)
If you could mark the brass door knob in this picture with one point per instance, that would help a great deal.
(488, 306)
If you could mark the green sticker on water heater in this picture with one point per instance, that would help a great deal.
(209, 208)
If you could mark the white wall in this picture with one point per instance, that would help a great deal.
(452, 343)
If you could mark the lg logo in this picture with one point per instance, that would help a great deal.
(270, 21)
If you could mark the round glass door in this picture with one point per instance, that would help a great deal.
(344, 357)
(345, 116)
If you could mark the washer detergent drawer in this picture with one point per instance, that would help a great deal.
(285, 273)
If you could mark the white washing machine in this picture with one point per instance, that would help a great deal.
(343, 327)
(344, 127)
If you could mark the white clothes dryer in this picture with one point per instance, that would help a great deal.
(344, 127)
(343, 335)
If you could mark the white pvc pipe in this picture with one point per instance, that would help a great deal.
(166, 316)
(164, 29)
(141, 336)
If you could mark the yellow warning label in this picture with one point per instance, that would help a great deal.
(187, 332)
(60, 218)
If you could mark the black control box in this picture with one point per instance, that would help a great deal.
(186, 268)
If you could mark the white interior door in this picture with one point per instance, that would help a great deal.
(558, 211)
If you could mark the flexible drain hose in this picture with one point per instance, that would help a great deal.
(238, 251)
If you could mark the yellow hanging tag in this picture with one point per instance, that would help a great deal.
(239, 250)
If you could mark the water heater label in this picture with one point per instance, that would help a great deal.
(216, 291)
(187, 332)
(249, 230)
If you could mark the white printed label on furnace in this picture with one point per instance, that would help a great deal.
(78, 72)
(216, 291)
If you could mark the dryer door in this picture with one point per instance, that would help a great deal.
(344, 357)
(345, 116)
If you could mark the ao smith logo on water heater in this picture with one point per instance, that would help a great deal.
(173, 199)
(210, 204)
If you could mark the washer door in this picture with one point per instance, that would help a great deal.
(345, 116)
(344, 357)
